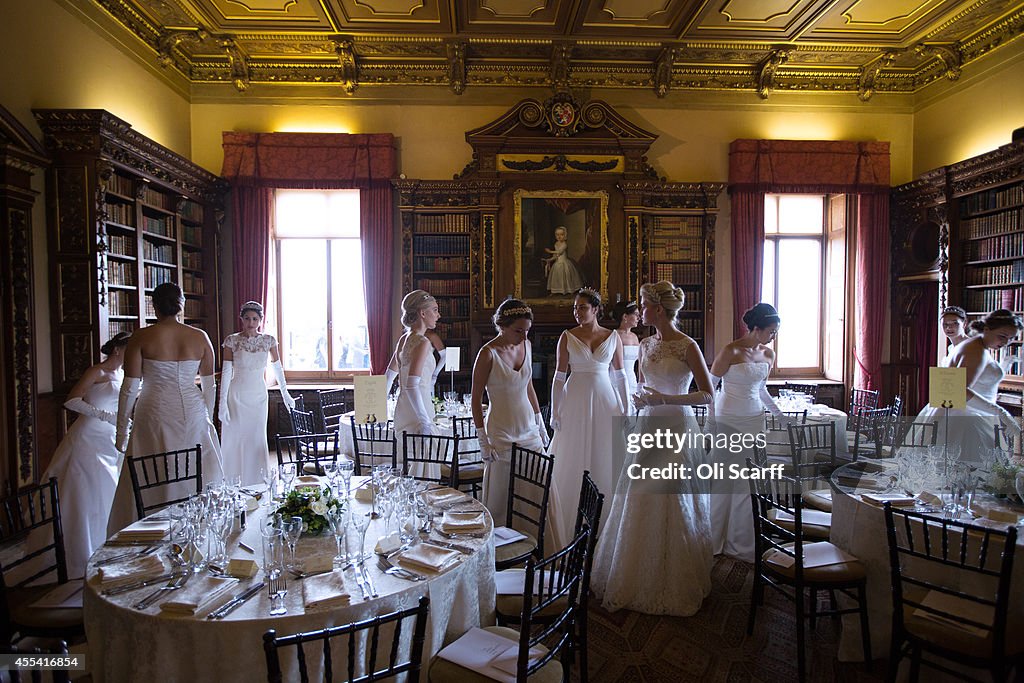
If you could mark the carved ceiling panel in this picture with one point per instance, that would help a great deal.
(866, 47)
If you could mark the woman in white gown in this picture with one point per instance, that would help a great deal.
(972, 427)
(86, 464)
(504, 368)
(582, 410)
(953, 321)
(171, 413)
(743, 367)
(564, 275)
(243, 396)
(626, 317)
(413, 362)
(654, 555)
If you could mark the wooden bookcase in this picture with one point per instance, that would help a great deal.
(125, 215)
(676, 252)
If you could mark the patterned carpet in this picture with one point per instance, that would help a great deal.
(713, 646)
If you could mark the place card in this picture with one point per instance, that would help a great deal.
(895, 499)
(947, 387)
(505, 536)
(370, 399)
(242, 568)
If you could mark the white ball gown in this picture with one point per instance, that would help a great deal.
(170, 415)
(407, 416)
(509, 421)
(244, 438)
(586, 438)
(86, 466)
(564, 275)
(738, 410)
(654, 555)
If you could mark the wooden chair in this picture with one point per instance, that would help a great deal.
(862, 399)
(812, 450)
(897, 405)
(331, 406)
(157, 476)
(284, 416)
(775, 424)
(783, 561)
(700, 413)
(1003, 439)
(864, 430)
(373, 443)
(428, 453)
(897, 433)
(34, 509)
(471, 464)
(529, 490)
(550, 608)
(950, 594)
(303, 422)
(808, 389)
(381, 660)
(309, 452)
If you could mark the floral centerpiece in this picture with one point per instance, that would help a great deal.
(312, 504)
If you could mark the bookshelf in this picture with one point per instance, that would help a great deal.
(126, 215)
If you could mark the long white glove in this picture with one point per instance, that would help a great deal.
(986, 407)
(79, 405)
(282, 385)
(557, 392)
(715, 382)
(618, 378)
(225, 383)
(440, 365)
(209, 388)
(542, 431)
(389, 379)
(652, 397)
(773, 408)
(487, 452)
(413, 388)
(125, 406)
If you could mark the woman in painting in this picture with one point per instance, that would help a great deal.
(564, 276)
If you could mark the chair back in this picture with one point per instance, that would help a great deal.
(1003, 439)
(331, 406)
(862, 399)
(307, 449)
(589, 508)
(868, 425)
(529, 490)
(381, 660)
(284, 416)
(778, 517)
(303, 422)
(700, 413)
(553, 584)
(812, 450)
(154, 476)
(775, 424)
(897, 405)
(373, 443)
(808, 389)
(33, 507)
(16, 675)
(952, 573)
(428, 451)
(898, 433)
(464, 428)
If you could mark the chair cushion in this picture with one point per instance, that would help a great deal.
(816, 500)
(817, 532)
(443, 671)
(19, 601)
(521, 548)
(833, 573)
(965, 639)
(510, 608)
(467, 473)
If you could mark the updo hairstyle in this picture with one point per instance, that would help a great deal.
(761, 316)
(510, 311)
(621, 309)
(590, 296)
(254, 306)
(118, 340)
(168, 299)
(666, 295)
(954, 310)
(414, 302)
(996, 319)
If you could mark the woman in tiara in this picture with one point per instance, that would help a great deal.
(654, 555)
(582, 409)
(243, 396)
(626, 316)
(953, 321)
(504, 367)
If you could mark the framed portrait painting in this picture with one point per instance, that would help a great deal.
(561, 244)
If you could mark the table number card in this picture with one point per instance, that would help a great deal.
(371, 399)
(947, 387)
(452, 358)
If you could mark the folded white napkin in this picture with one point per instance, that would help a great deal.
(457, 522)
(199, 593)
(429, 557)
(444, 496)
(324, 590)
(505, 536)
(144, 530)
(896, 499)
(138, 569)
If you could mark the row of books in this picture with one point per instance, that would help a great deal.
(121, 273)
(1004, 246)
(192, 283)
(454, 308)
(455, 330)
(155, 197)
(693, 327)
(192, 259)
(1009, 274)
(680, 273)
(120, 184)
(157, 275)
(193, 308)
(459, 287)
(193, 234)
(440, 245)
(121, 213)
(447, 222)
(158, 226)
(115, 327)
(192, 211)
(165, 253)
(693, 300)
(685, 226)
(677, 249)
(991, 299)
(122, 302)
(987, 226)
(992, 199)
(451, 264)
(122, 245)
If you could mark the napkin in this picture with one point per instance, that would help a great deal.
(144, 530)
(324, 590)
(443, 496)
(199, 593)
(896, 499)
(998, 514)
(307, 480)
(505, 536)
(137, 569)
(929, 498)
(364, 494)
(430, 557)
(456, 522)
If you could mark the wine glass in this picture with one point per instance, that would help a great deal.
(345, 469)
(337, 518)
(269, 476)
(292, 531)
(288, 475)
(355, 537)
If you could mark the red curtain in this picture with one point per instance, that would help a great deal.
(926, 315)
(747, 221)
(257, 163)
(872, 289)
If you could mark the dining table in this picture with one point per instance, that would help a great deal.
(817, 413)
(131, 644)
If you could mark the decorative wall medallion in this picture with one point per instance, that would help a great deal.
(562, 115)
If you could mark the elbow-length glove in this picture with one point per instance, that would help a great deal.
(389, 379)
(487, 452)
(282, 385)
(773, 407)
(225, 384)
(209, 388)
(542, 430)
(413, 387)
(440, 365)
(557, 392)
(80, 405)
(986, 407)
(125, 406)
(618, 378)
(715, 382)
(653, 397)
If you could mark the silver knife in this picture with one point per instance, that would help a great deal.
(361, 582)
(172, 585)
(117, 590)
(235, 602)
(369, 581)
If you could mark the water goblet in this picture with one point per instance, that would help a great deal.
(292, 531)
(330, 470)
(355, 537)
(288, 475)
(337, 519)
(345, 469)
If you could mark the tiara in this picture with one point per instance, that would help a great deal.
(519, 310)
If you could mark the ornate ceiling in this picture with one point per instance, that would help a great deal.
(759, 46)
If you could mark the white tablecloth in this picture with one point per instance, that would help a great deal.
(132, 645)
(778, 442)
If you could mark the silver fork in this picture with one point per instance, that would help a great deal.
(400, 572)
(278, 591)
(172, 585)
